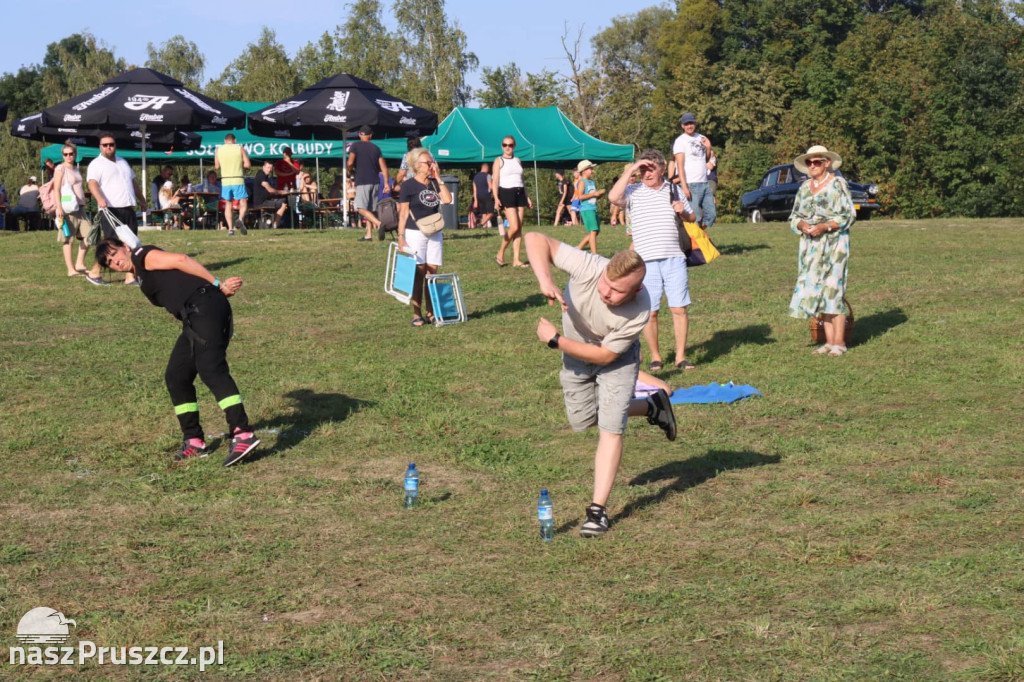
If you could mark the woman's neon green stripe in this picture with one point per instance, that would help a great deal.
(186, 407)
(229, 401)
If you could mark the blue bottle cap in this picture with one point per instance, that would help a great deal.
(411, 465)
(543, 491)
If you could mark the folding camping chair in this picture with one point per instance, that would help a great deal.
(400, 274)
(446, 298)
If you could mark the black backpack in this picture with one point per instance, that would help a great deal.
(387, 214)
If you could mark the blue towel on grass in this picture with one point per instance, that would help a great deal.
(713, 393)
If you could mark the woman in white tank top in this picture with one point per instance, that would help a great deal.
(510, 194)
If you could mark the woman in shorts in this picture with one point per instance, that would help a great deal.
(69, 198)
(421, 197)
(510, 194)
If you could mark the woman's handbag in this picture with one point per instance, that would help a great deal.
(431, 224)
(817, 325)
(695, 243)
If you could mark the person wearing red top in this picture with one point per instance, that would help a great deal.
(286, 169)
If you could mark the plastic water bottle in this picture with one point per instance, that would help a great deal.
(546, 516)
(412, 486)
(65, 229)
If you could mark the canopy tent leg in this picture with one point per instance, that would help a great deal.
(142, 129)
(536, 191)
(344, 178)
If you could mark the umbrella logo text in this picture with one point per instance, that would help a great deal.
(281, 108)
(330, 118)
(200, 103)
(394, 106)
(338, 102)
(72, 118)
(105, 92)
(140, 102)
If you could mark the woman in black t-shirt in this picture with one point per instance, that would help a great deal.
(188, 291)
(421, 198)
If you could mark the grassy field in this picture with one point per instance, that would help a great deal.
(861, 520)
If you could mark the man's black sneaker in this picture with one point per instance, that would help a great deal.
(193, 448)
(659, 411)
(241, 445)
(596, 523)
(240, 226)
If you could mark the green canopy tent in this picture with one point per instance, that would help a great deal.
(545, 137)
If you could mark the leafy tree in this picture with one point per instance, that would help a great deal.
(261, 73)
(503, 87)
(435, 56)
(77, 64)
(178, 58)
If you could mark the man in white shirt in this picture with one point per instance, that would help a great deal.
(112, 184)
(694, 158)
(604, 309)
(653, 204)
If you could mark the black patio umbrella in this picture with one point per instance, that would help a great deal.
(3, 111)
(145, 100)
(331, 108)
(32, 128)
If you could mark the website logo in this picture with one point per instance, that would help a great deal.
(44, 626)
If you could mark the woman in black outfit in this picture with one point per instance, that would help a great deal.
(189, 292)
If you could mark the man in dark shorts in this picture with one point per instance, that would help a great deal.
(365, 159)
(483, 201)
(189, 292)
(263, 190)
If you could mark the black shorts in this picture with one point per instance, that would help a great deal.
(484, 204)
(512, 197)
(126, 215)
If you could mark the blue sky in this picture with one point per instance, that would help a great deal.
(525, 31)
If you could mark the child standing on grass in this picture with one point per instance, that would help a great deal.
(588, 193)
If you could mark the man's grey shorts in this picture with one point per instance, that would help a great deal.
(366, 196)
(599, 393)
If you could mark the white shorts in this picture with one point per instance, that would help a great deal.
(426, 249)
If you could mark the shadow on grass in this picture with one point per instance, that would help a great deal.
(690, 473)
(736, 249)
(534, 301)
(722, 343)
(478, 233)
(312, 410)
(867, 328)
(220, 265)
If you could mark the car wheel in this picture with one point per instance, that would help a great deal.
(755, 216)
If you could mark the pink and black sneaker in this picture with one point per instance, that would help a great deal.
(193, 448)
(242, 443)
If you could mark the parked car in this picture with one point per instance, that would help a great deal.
(774, 198)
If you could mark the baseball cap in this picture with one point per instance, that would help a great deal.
(687, 118)
(584, 165)
(33, 178)
(366, 130)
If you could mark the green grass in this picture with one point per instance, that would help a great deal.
(861, 520)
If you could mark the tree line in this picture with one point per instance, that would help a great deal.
(922, 97)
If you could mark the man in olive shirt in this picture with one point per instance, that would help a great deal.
(230, 159)
(604, 310)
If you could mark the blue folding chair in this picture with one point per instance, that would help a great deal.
(400, 274)
(446, 298)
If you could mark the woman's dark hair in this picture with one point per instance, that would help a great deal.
(105, 248)
(413, 143)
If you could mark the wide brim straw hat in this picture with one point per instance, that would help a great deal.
(816, 151)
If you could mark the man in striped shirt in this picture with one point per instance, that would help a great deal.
(652, 204)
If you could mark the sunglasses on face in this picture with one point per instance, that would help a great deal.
(108, 144)
(816, 162)
(507, 144)
(68, 153)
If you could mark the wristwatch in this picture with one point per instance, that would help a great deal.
(553, 341)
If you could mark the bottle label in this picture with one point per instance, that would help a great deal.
(411, 484)
(545, 514)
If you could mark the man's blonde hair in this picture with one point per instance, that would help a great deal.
(624, 263)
